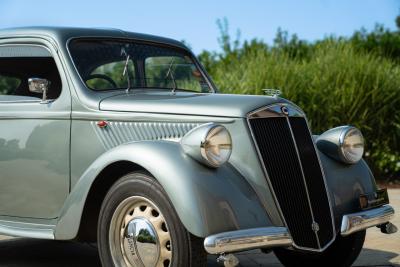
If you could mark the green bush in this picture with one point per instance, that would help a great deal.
(335, 83)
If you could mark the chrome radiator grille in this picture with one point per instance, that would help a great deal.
(292, 166)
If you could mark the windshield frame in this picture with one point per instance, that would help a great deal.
(187, 52)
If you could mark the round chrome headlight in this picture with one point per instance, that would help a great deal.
(351, 145)
(217, 146)
(209, 143)
(344, 143)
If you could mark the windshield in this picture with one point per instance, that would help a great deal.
(114, 64)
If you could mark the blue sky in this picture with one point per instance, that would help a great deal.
(195, 21)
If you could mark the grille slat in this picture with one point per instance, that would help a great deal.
(277, 147)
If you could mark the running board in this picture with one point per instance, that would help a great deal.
(24, 229)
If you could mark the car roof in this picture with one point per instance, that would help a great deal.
(63, 34)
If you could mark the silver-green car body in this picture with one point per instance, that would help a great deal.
(55, 159)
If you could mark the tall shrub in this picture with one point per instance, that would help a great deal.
(332, 80)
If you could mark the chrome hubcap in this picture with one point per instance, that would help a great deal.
(141, 243)
(139, 235)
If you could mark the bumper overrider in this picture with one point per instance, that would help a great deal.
(271, 237)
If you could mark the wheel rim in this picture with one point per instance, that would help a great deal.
(139, 235)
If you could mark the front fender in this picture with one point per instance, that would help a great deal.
(345, 184)
(207, 200)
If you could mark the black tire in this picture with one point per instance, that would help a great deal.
(187, 250)
(341, 253)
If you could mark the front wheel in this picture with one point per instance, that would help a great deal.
(341, 253)
(138, 226)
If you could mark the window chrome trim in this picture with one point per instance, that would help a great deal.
(276, 110)
(27, 46)
(19, 101)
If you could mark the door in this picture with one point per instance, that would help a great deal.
(34, 134)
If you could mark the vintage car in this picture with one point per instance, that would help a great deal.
(122, 139)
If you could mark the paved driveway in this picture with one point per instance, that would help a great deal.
(379, 250)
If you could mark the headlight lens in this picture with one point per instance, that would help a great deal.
(352, 145)
(217, 146)
(210, 144)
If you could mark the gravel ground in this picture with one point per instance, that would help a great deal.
(379, 250)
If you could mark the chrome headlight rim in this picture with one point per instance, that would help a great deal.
(342, 138)
(195, 144)
(203, 145)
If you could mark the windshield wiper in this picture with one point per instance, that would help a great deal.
(126, 71)
(169, 73)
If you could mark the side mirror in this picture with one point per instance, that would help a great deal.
(39, 86)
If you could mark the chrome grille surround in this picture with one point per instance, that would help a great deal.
(288, 111)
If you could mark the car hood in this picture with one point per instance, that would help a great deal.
(221, 105)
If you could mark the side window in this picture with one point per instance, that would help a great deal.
(111, 76)
(20, 63)
(8, 84)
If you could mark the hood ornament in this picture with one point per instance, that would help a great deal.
(272, 92)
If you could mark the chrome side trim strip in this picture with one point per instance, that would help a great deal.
(145, 117)
(362, 220)
(31, 230)
(240, 240)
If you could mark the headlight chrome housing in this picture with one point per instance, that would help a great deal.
(344, 143)
(210, 144)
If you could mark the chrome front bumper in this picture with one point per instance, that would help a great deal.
(271, 237)
(247, 239)
(355, 222)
